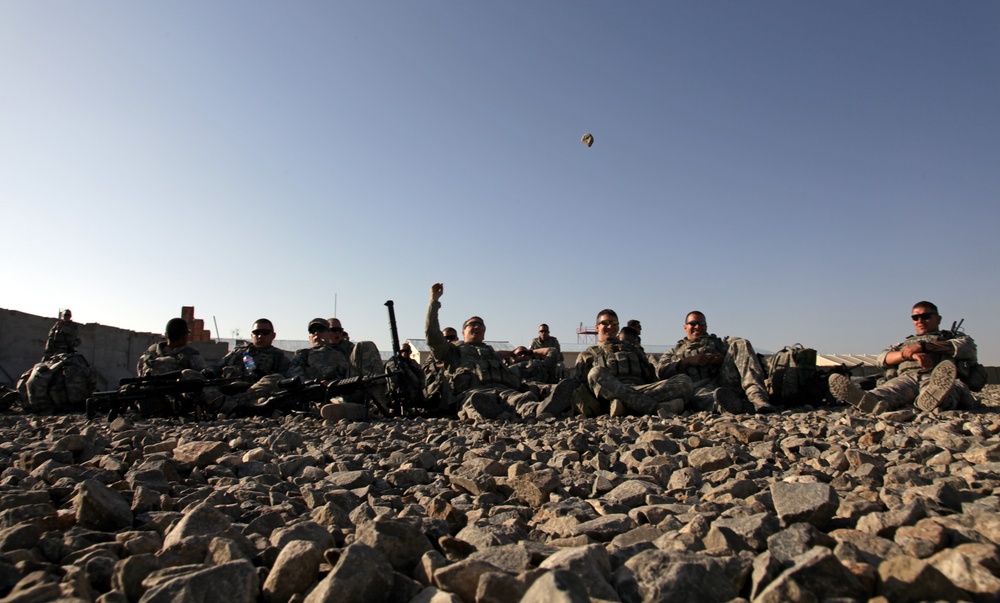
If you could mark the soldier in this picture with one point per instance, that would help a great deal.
(266, 359)
(485, 388)
(723, 371)
(544, 340)
(63, 337)
(921, 370)
(617, 376)
(322, 362)
(171, 355)
(450, 334)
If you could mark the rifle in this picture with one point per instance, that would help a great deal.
(298, 396)
(159, 390)
(403, 396)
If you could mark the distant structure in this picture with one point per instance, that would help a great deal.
(586, 334)
(197, 325)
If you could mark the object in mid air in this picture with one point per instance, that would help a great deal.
(588, 139)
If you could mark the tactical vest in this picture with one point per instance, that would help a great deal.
(481, 366)
(161, 359)
(907, 366)
(710, 344)
(324, 363)
(623, 360)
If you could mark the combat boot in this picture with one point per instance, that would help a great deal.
(939, 384)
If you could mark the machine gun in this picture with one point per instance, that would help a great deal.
(157, 395)
(405, 395)
(297, 396)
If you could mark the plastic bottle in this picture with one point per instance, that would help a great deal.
(248, 363)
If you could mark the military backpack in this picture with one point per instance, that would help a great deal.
(792, 377)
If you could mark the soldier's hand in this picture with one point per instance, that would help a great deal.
(437, 290)
(910, 352)
(925, 360)
(715, 358)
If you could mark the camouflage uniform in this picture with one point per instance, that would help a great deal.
(550, 342)
(271, 366)
(479, 378)
(321, 362)
(161, 358)
(740, 370)
(902, 383)
(62, 338)
(268, 361)
(615, 370)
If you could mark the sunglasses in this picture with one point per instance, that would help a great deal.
(262, 332)
(318, 329)
(474, 323)
(451, 337)
(924, 316)
(336, 329)
(696, 323)
(608, 323)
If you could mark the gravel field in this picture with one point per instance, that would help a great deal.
(824, 504)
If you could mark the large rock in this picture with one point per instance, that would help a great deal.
(100, 508)
(815, 503)
(362, 575)
(591, 563)
(234, 582)
(674, 576)
(401, 542)
(296, 567)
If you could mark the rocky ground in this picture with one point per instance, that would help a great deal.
(801, 506)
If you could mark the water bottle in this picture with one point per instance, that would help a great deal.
(248, 363)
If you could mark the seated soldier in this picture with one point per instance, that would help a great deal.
(322, 362)
(921, 370)
(408, 388)
(450, 334)
(258, 362)
(544, 340)
(617, 378)
(264, 358)
(437, 389)
(723, 371)
(538, 369)
(62, 338)
(171, 355)
(483, 385)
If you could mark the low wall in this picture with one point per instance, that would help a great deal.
(113, 352)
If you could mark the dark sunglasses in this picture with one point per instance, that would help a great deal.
(318, 329)
(543, 331)
(336, 329)
(608, 323)
(474, 323)
(262, 332)
(451, 337)
(924, 316)
(695, 323)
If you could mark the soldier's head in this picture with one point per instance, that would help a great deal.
(405, 350)
(177, 332)
(543, 331)
(925, 318)
(319, 331)
(636, 326)
(606, 325)
(522, 353)
(695, 324)
(450, 334)
(67, 315)
(337, 332)
(262, 334)
(474, 330)
(629, 335)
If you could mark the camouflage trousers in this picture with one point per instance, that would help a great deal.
(365, 362)
(494, 402)
(740, 372)
(639, 399)
(903, 391)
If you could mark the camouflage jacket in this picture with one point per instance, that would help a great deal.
(625, 361)
(320, 363)
(62, 338)
(161, 358)
(963, 348)
(467, 365)
(669, 364)
(268, 360)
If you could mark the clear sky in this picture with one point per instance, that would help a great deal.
(801, 172)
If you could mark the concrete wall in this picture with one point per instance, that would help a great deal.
(113, 352)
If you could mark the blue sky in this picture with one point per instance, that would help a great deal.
(801, 172)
